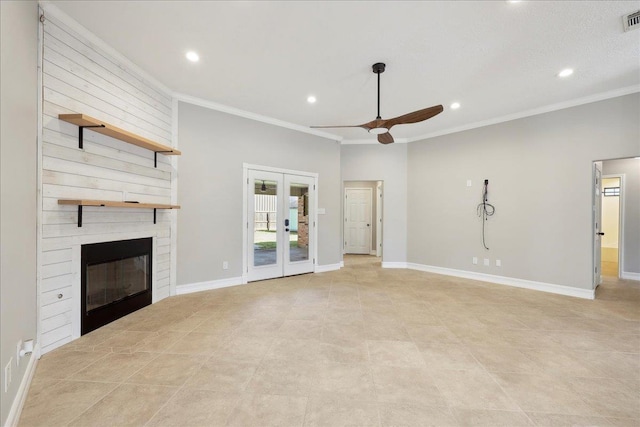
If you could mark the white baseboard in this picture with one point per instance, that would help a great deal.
(209, 285)
(508, 281)
(328, 267)
(628, 275)
(386, 264)
(23, 390)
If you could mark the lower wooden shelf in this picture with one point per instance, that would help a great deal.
(109, 203)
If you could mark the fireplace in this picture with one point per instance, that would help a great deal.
(116, 280)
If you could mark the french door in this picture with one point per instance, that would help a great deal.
(281, 224)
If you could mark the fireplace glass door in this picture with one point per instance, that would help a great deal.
(113, 281)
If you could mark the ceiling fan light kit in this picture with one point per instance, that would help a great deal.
(381, 126)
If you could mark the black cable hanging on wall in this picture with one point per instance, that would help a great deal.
(485, 210)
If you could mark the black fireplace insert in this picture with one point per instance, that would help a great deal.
(116, 280)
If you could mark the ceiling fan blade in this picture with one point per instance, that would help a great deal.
(347, 126)
(385, 138)
(414, 117)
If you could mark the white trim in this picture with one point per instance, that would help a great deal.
(628, 275)
(245, 224)
(23, 389)
(328, 267)
(278, 170)
(392, 264)
(207, 286)
(53, 10)
(379, 203)
(253, 116)
(39, 178)
(173, 277)
(534, 112)
(508, 281)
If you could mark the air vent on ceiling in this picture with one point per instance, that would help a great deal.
(631, 21)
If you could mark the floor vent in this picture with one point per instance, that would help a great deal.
(631, 21)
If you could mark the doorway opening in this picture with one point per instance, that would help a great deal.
(616, 220)
(610, 242)
(280, 217)
(363, 204)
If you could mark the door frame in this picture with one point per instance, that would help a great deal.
(245, 219)
(621, 177)
(379, 198)
(344, 215)
(596, 194)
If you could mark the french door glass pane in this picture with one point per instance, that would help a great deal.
(298, 222)
(265, 223)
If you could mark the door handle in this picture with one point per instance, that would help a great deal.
(600, 234)
(286, 222)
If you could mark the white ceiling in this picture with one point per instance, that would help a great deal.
(496, 58)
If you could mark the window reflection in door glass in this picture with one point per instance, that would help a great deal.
(298, 222)
(265, 222)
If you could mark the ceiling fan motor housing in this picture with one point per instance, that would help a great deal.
(378, 67)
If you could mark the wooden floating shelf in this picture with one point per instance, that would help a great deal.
(109, 203)
(84, 121)
(112, 204)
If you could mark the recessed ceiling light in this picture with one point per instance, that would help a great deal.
(455, 105)
(565, 73)
(192, 56)
(311, 99)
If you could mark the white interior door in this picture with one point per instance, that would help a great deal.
(597, 224)
(357, 225)
(281, 224)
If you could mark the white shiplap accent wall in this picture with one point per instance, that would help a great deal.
(81, 77)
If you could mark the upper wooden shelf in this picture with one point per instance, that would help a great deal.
(82, 121)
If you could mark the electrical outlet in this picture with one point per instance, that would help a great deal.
(498, 263)
(486, 262)
(225, 265)
(475, 260)
(7, 375)
(18, 348)
(468, 183)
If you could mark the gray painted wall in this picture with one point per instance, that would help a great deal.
(214, 147)
(18, 154)
(631, 239)
(386, 163)
(540, 172)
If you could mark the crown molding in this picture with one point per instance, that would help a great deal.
(253, 116)
(51, 10)
(534, 112)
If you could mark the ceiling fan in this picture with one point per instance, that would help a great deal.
(381, 126)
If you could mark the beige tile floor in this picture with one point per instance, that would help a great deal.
(360, 346)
